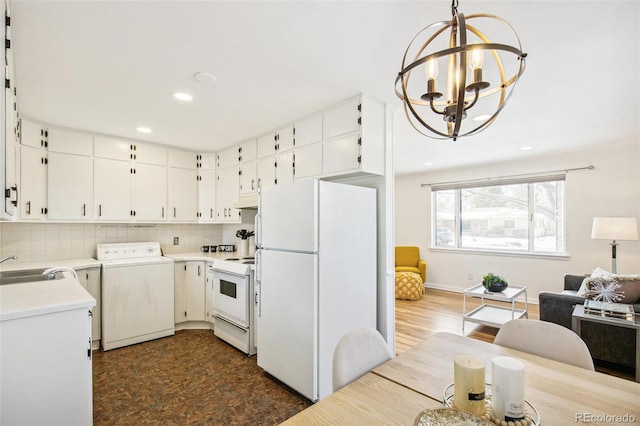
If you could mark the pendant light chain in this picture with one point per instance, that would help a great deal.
(454, 7)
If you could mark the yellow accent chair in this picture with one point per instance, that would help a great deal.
(408, 260)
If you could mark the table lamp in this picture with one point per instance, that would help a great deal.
(614, 228)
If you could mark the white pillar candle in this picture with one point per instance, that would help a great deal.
(468, 384)
(507, 384)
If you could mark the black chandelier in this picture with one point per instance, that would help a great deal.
(486, 87)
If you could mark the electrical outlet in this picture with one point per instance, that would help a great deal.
(470, 277)
(176, 241)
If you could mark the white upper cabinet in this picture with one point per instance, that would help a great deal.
(150, 193)
(112, 189)
(248, 151)
(342, 119)
(284, 138)
(114, 149)
(33, 183)
(228, 157)
(266, 171)
(308, 131)
(267, 145)
(248, 178)
(308, 161)
(183, 159)
(70, 187)
(227, 194)
(70, 142)
(206, 195)
(183, 195)
(284, 167)
(207, 161)
(148, 153)
(33, 134)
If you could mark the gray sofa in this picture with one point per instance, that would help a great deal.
(607, 343)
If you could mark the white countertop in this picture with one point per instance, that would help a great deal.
(43, 297)
(199, 256)
(71, 263)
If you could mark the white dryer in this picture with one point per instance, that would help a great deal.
(137, 293)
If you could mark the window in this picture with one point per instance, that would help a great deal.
(521, 215)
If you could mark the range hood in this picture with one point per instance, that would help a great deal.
(250, 202)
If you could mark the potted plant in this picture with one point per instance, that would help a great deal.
(494, 283)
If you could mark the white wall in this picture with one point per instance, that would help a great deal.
(611, 189)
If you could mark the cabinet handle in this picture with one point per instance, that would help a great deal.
(253, 184)
(99, 210)
(84, 210)
(28, 207)
(174, 212)
(163, 212)
(211, 213)
(198, 270)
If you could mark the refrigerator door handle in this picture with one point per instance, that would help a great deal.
(258, 228)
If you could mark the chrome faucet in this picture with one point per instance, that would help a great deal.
(8, 258)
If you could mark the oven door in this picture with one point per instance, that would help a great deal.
(231, 297)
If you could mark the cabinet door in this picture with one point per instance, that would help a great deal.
(267, 145)
(33, 183)
(90, 280)
(33, 134)
(341, 119)
(179, 292)
(111, 148)
(207, 195)
(267, 172)
(195, 305)
(284, 168)
(182, 159)
(248, 178)
(112, 189)
(308, 161)
(70, 183)
(248, 151)
(227, 193)
(183, 195)
(228, 157)
(208, 161)
(308, 131)
(148, 153)
(150, 192)
(341, 154)
(284, 138)
(208, 295)
(70, 142)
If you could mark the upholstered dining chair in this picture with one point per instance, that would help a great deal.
(358, 352)
(408, 260)
(545, 339)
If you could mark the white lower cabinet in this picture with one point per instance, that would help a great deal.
(90, 279)
(189, 294)
(208, 294)
(45, 373)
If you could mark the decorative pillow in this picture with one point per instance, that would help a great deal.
(612, 288)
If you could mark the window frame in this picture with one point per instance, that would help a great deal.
(457, 187)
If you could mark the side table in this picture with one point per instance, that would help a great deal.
(490, 314)
(578, 316)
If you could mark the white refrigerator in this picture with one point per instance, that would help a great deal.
(315, 277)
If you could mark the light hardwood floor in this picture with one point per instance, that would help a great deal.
(440, 310)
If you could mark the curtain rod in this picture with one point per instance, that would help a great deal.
(590, 167)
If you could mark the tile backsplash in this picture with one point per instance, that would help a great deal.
(35, 242)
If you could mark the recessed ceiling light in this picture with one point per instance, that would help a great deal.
(526, 148)
(181, 96)
(205, 77)
(143, 129)
(428, 164)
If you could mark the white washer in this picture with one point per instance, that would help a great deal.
(137, 293)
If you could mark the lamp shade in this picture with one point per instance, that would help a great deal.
(614, 228)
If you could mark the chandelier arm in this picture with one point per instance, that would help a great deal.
(431, 129)
(433, 108)
(413, 111)
(475, 99)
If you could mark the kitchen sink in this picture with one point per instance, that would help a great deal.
(27, 276)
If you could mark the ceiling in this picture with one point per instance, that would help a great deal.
(111, 66)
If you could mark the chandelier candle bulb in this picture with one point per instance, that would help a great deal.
(507, 380)
(468, 383)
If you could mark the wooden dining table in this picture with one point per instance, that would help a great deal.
(399, 390)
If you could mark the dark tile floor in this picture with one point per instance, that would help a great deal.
(190, 378)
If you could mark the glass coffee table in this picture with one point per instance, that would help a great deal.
(491, 314)
(633, 322)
